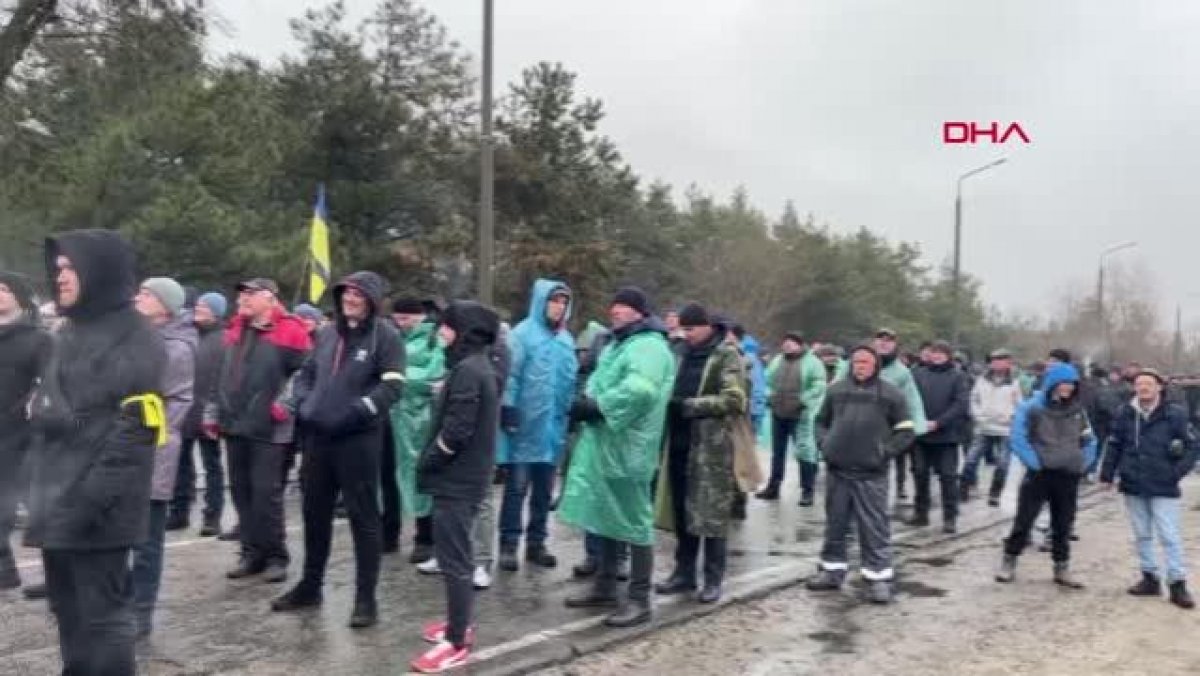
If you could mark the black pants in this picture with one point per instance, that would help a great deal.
(14, 485)
(256, 480)
(901, 464)
(389, 489)
(862, 499)
(350, 466)
(641, 569)
(942, 459)
(214, 478)
(783, 430)
(1061, 490)
(91, 595)
(452, 523)
(687, 548)
(423, 535)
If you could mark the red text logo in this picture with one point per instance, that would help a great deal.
(972, 132)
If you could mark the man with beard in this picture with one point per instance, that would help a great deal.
(24, 349)
(342, 398)
(100, 418)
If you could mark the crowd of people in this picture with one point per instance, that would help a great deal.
(398, 407)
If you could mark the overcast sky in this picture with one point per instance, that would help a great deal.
(839, 104)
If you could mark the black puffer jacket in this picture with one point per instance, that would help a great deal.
(458, 460)
(93, 451)
(946, 393)
(861, 425)
(24, 349)
(1151, 455)
(355, 374)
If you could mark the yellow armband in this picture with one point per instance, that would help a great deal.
(154, 415)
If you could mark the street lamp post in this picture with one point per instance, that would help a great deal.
(1100, 296)
(957, 281)
(487, 214)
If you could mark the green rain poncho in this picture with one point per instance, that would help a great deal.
(412, 417)
(608, 490)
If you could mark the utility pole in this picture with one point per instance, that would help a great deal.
(487, 214)
(956, 290)
(1177, 347)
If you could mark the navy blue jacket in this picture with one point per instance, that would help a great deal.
(1150, 455)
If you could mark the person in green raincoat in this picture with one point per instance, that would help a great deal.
(413, 415)
(895, 372)
(795, 389)
(608, 489)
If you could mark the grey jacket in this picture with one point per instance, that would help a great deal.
(181, 340)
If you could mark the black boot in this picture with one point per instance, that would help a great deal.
(919, 520)
(1064, 578)
(586, 569)
(245, 568)
(827, 580)
(1149, 585)
(771, 492)
(964, 490)
(806, 498)
(9, 577)
(738, 511)
(603, 594)
(35, 592)
(1179, 595)
(178, 521)
(710, 594)
(211, 527)
(303, 595)
(365, 613)
(950, 526)
(508, 559)
(678, 583)
(391, 546)
(420, 553)
(232, 535)
(538, 555)
(633, 613)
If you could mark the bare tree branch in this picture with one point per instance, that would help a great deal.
(27, 19)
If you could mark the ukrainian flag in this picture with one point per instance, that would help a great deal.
(318, 251)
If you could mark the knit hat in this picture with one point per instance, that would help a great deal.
(1061, 355)
(794, 336)
(306, 311)
(408, 306)
(215, 302)
(693, 314)
(633, 298)
(168, 292)
(943, 347)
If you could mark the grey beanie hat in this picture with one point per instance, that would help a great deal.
(168, 292)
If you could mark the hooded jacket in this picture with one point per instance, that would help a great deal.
(1151, 454)
(895, 372)
(758, 378)
(861, 425)
(94, 447)
(257, 364)
(458, 459)
(994, 402)
(412, 416)
(355, 373)
(180, 339)
(1051, 434)
(541, 382)
(24, 349)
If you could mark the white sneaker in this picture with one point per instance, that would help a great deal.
(482, 579)
(430, 567)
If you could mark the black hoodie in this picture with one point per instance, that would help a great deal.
(862, 424)
(93, 452)
(458, 460)
(355, 374)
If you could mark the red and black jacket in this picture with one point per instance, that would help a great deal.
(257, 364)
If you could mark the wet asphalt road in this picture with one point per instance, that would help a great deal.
(207, 624)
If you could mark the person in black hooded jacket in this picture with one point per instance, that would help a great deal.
(98, 418)
(342, 397)
(455, 469)
(946, 393)
(24, 348)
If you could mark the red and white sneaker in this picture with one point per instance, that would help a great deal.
(441, 657)
(435, 632)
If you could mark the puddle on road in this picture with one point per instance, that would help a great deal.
(839, 642)
(934, 561)
(920, 590)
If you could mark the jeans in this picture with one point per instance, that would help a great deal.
(1061, 490)
(148, 567)
(256, 480)
(452, 521)
(483, 534)
(1150, 516)
(996, 447)
(943, 459)
(214, 479)
(91, 595)
(349, 466)
(535, 480)
(783, 430)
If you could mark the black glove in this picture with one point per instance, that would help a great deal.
(585, 409)
(510, 419)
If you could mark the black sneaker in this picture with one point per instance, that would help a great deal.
(244, 569)
(391, 547)
(592, 599)
(178, 521)
(540, 556)
(232, 535)
(211, 527)
(275, 573)
(586, 569)
(676, 584)
(420, 554)
(918, 520)
(994, 501)
(300, 597)
(949, 527)
(508, 560)
(769, 493)
(806, 499)
(35, 592)
(365, 614)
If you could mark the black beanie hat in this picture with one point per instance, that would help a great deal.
(694, 314)
(796, 336)
(632, 296)
(408, 306)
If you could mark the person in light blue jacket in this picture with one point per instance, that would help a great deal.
(758, 376)
(533, 419)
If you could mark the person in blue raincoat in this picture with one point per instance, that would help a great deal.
(758, 377)
(534, 417)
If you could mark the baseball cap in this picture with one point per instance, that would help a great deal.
(259, 284)
(886, 332)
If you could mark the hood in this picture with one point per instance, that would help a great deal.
(750, 346)
(476, 324)
(850, 366)
(105, 262)
(369, 284)
(1057, 375)
(21, 288)
(182, 329)
(589, 334)
(543, 289)
(651, 324)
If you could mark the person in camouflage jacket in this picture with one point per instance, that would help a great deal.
(696, 483)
